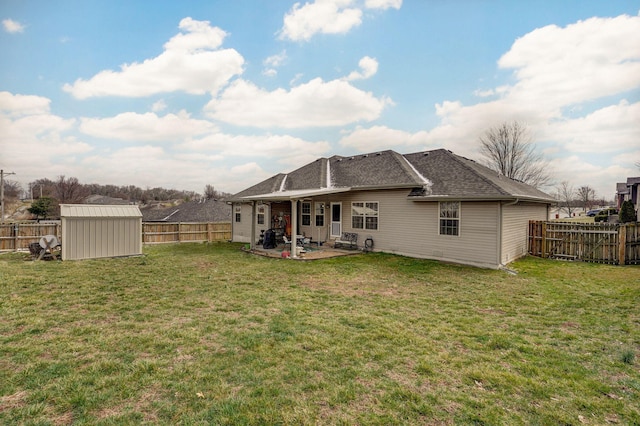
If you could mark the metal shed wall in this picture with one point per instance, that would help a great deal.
(93, 231)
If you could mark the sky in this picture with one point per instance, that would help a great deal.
(186, 94)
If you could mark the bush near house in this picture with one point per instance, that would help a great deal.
(207, 334)
(627, 212)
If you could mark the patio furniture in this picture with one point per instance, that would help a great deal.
(347, 240)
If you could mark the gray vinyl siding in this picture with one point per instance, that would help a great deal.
(411, 228)
(242, 229)
(515, 220)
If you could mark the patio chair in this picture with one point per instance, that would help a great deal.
(286, 241)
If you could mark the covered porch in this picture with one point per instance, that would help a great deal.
(311, 248)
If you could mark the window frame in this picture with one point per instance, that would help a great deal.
(305, 217)
(319, 218)
(450, 222)
(238, 214)
(367, 221)
(260, 214)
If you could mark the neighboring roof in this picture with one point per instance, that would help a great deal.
(633, 181)
(94, 210)
(192, 211)
(103, 199)
(430, 175)
(621, 188)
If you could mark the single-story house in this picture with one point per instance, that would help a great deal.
(628, 191)
(432, 204)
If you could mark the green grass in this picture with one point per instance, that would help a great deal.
(207, 334)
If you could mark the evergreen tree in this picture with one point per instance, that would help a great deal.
(43, 206)
(627, 212)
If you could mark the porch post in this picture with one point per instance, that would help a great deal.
(253, 225)
(294, 227)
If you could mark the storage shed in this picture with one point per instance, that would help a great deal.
(93, 231)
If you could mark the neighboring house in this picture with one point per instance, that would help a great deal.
(628, 191)
(432, 204)
(192, 211)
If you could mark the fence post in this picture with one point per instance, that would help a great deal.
(622, 244)
(209, 232)
(16, 233)
(543, 242)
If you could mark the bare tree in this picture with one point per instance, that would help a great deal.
(69, 190)
(566, 196)
(587, 197)
(210, 192)
(509, 150)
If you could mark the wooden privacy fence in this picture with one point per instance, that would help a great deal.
(18, 236)
(160, 233)
(590, 242)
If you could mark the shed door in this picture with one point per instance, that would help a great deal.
(336, 219)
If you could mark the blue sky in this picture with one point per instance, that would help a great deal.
(185, 94)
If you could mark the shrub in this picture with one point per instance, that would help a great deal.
(627, 212)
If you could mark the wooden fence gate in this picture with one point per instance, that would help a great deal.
(590, 242)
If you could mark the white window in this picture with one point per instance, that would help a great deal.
(306, 214)
(238, 214)
(364, 215)
(319, 214)
(450, 218)
(260, 218)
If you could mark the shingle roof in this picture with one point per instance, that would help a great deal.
(437, 173)
(192, 211)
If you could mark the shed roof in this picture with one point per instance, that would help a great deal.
(91, 210)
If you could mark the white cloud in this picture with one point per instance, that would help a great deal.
(609, 129)
(191, 62)
(12, 27)
(321, 16)
(580, 172)
(368, 67)
(276, 60)
(328, 17)
(378, 138)
(288, 150)
(130, 126)
(18, 105)
(383, 4)
(555, 69)
(35, 142)
(273, 62)
(313, 104)
(590, 59)
(159, 106)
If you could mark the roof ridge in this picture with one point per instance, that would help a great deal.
(411, 169)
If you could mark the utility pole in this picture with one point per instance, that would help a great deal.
(2, 173)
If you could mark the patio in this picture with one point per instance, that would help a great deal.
(311, 252)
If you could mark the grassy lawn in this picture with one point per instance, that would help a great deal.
(207, 334)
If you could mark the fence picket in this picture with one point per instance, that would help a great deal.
(602, 242)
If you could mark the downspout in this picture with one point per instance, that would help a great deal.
(294, 228)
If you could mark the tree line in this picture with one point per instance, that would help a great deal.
(48, 194)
